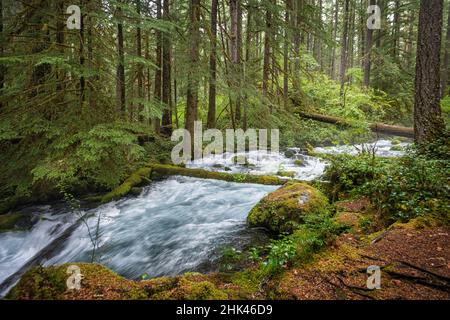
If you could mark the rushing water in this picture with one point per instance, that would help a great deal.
(176, 225)
(262, 163)
(382, 148)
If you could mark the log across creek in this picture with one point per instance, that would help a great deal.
(375, 127)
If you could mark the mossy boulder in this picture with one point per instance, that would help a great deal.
(98, 282)
(299, 162)
(190, 286)
(283, 210)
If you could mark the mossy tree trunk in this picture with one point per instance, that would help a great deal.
(428, 122)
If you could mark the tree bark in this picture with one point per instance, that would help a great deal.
(120, 85)
(81, 57)
(166, 75)
(333, 52)
(344, 45)
(140, 75)
(235, 52)
(396, 31)
(158, 60)
(286, 54)
(368, 53)
(60, 43)
(192, 85)
(375, 127)
(446, 63)
(213, 68)
(428, 123)
(267, 50)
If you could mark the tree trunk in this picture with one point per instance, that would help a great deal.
(317, 40)
(60, 43)
(166, 76)
(267, 44)
(344, 43)
(446, 63)
(286, 54)
(396, 31)
(428, 123)
(368, 53)
(2, 68)
(213, 68)
(140, 82)
(41, 43)
(248, 51)
(192, 85)
(375, 127)
(82, 58)
(235, 48)
(239, 60)
(120, 85)
(333, 53)
(158, 60)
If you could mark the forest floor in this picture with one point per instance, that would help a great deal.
(414, 261)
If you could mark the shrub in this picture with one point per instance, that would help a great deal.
(402, 189)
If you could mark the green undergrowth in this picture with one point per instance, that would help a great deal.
(400, 188)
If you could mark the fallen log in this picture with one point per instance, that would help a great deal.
(163, 170)
(375, 127)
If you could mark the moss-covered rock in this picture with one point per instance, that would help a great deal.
(284, 209)
(98, 282)
(40, 284)
(190, 286)
(298, 162)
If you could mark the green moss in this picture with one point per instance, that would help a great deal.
(396, 148)
(289, 174)
(248, 281)
(190, 286)
(284, 209)
(40, 284)
(298, 162)
(8, 222)
(140, 177)
(160, 170)
(395, 142)
(97, 282)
